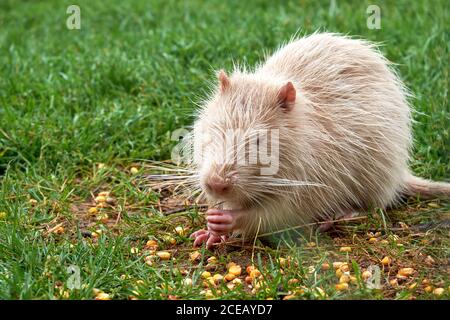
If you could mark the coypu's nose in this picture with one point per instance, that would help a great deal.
(218, 186)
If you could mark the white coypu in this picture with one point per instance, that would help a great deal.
(338, 118)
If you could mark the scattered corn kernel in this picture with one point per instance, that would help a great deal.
(341, 286)
(163, 255)
(151, 244)
(96, 291)
(344, 267)
(211, 259)
(103, 194)
(134, 170)
(230, 264)
(255, 273)
(386, 261)
(393, 282)
(209, 294)
(293, 281)
(311, 244)
(373, 240)
(248, 279)
(345, 249)
(353, 279)
(237, 281)
(180, 231)
(325, 266)
(339, 273)
(110, 200)
(428, 289)
(149, 260)
(206, 274)
(102, 296)
(100, 199)
(229, 277)
(187, 282)
(230, 285)
(384, 241)
(249, 269)
(438, 291)
(289, 297)
(134, 250)
(193, 256)
(32, 201)
(344, 278)
(59, 230)
(366, 275)
(412, 286)
(93, 210)
(236, 270)
(406, 272)
(337, 264)
(217, 278)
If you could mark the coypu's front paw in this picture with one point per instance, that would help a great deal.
(221, 222)
(203, 235)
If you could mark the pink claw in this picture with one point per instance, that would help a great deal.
(205, 236)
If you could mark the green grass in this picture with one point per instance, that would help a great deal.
(113, 91)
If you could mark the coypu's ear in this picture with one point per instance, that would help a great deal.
(224, 81)
(286, 96)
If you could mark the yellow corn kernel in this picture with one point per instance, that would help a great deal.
(366, 275)
(163, 255)
(428, 289)
(151, 244)
(217, 278)
(187, 282)
(229, 277)
(345, 249)
(236, 270)
(341, 286)
(211, 259)
(102, 296)
(438, 291)
(255, 273)
(393, 282)
(100, 199)
(134, 170)
(195, 256)
(344, 278)
(180, 231)
(386, 261)
(406, 272)
(134, 250)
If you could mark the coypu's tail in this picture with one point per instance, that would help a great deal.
(426, 189)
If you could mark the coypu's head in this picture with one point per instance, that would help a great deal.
(241, 137)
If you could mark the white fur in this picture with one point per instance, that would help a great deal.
(348, 135)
